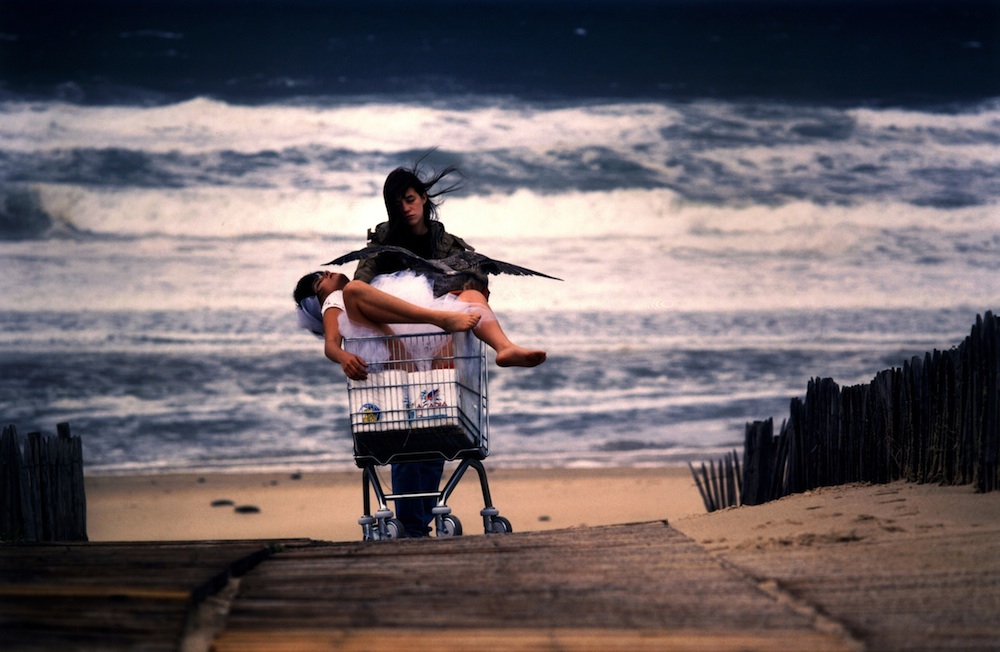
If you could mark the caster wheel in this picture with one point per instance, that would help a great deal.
(394, 529)
(367, 524)
(501, 525)
(450, 527)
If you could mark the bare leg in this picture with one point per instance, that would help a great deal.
(340, 283)
(489, 331)
(371, 305)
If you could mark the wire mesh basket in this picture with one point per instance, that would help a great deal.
(424, 398)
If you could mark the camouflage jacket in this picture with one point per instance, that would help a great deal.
(444, 244)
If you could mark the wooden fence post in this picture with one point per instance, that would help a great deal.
(757, 461)
(935, 419)
(986, 336)
(43, 496)
(31, 476)
(719, 483)
(11, 521)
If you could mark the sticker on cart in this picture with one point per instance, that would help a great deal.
(430, 405)
(379, 402)
(370, 413)
(433, 398)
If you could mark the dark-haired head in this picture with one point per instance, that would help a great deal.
(402, 179)
(308, 313)
(306, 287)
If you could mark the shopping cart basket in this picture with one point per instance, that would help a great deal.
(424, 399)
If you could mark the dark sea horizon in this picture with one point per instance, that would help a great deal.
(917, 53)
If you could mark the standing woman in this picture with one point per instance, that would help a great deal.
(413, 225)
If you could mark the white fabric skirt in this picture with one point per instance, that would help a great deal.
(413, 288)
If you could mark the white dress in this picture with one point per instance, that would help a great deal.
(413, 288)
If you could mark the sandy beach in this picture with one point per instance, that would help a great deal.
(845, 514)
(326, 506)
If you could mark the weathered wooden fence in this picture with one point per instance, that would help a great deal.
(41, 490)
(935, 419)
(720, 484)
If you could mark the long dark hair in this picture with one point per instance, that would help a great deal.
(402, 179)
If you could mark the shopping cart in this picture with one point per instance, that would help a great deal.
(424, 399)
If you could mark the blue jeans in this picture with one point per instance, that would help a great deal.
(416, 477)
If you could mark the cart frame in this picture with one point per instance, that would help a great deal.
(425, 399)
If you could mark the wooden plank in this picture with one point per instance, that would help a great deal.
(732, 497)
(11, 524)
(701, 489)
(87, 591)
(514, 638)
(714, 482)
(112, 596)
(711, 504)
(34, 530)
(757, 468)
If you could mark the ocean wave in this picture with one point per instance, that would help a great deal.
(723, 154)
(235, 389)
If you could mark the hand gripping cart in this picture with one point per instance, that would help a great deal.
(424, 399)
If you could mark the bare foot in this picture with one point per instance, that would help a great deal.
(516, 356)
(455, 322)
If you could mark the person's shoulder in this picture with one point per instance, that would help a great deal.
(449, 241)
(379, 234)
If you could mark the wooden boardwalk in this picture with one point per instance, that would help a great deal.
(627, 587)
(634, 587)
(931, 584)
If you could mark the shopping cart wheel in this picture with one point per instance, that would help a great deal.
(501, 525)
(450, 527)
(394, 529)
(367, 524)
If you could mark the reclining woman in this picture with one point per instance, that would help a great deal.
(323, 299)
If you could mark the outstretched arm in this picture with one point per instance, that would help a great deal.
(354, 367)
